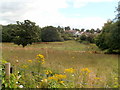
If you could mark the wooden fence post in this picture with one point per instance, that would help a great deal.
(7, 70)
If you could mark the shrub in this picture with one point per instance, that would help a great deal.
(50, 34)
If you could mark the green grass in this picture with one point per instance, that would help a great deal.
(68, 54)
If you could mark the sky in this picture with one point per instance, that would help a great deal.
(79, 14)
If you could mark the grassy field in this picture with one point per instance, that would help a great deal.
(69, 54)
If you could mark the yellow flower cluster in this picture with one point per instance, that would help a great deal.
(44, 80)
(53, 78)
(61, 82)
(30, 61)
(97, 78)
(70, 70)
(40, 58)
(60, 76)
(85, 70)
(57, 77)
(48, 72)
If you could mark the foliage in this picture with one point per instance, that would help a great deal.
(82, 30)
(67, 28)
(27, 77)
(98, 30)
(69, 56)
(100, 42)
(83, 37)
(87, 30)
(50, 34)
(88, 38)
(26, 33)
(109, 38)
(60, 29)
(67, 36)
(8, 32)
(92, 31)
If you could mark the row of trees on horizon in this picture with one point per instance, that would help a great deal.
(29, 30)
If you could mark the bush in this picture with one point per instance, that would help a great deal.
(50, 34)
(66, 37)
(83, 37)
(87, 39)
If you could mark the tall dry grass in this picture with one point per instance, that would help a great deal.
(69, 54)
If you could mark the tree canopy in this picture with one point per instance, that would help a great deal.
(110, 37)
(26, 33)
(50, 34)
(8, 32)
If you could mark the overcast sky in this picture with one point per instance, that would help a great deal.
(74, 13)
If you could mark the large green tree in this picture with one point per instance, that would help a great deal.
(26, 33)
(50, 34)
(103, 37)
(110, 37)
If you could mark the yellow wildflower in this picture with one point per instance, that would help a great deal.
(40, 58)
(43, 62)
(44, 80)
(70, 70)
(57, 77)
(61, 82)
(48, 72)
(30, 61)
(85, 70)
(97, 78)
(53, 78)
(60, 76)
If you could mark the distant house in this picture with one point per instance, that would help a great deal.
(79, 33)
(73, 32)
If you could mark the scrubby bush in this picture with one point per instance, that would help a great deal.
(50, 34)
(87, 38)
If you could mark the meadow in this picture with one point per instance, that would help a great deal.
(85, 65)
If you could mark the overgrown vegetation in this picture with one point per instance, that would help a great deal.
(109, 39)
(33, 74)
(59, 57)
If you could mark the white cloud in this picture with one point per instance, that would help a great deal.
(46, 12)
(87, 23)
(81, 3)
(30, 9)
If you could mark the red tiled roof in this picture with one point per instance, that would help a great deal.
(72, 31)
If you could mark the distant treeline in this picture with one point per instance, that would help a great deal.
(27, 32)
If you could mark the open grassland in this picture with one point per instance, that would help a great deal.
(69, 54)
